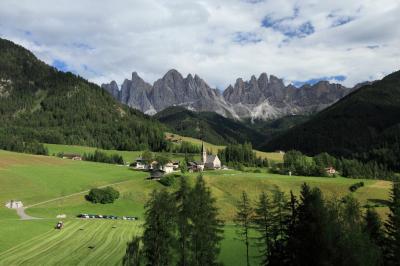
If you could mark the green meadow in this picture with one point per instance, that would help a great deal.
(53, 186)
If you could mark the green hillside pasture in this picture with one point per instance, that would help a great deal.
(274, 156)
(226, 186)
(33, 178)
(128, 156)
(79, 243)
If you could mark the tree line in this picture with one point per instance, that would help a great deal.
(243, 154)
(300, 164)
(16, 144)
(180, 228)
(311, 230)
(102, 157)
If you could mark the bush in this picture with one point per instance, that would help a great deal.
(102, 195)
(356, 186)
(169, 180)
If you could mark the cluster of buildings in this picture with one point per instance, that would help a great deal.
(207, 162)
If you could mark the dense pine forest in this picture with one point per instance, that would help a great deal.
(210, 127)
(39, 103)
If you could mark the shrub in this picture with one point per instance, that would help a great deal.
(167, 180)
(102, 195)
(356, 186)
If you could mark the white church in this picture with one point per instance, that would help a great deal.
(209, 161)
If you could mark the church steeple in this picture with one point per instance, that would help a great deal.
(203, 153)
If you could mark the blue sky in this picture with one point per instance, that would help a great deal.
(220, 40)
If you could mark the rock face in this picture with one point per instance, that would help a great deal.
(262, 98)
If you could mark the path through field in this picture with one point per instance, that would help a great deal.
(23, 216)
(81, 242)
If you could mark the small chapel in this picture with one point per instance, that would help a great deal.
(209, 161)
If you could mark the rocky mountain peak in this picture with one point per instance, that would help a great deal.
(263, 97)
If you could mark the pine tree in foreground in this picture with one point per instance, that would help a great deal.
(158, 236)
(207, 229)
(392, 227)
(262, 221)
(281, 218)
(243, 220)
(182, 219)
(133, 253)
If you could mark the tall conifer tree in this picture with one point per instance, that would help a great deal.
(243, 220)
(207, 227)
(158, 237)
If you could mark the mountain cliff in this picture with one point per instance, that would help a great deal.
(258, 98)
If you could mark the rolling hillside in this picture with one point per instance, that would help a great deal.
(208, 126)
(366, 119)
(52, 186)
(37, 102)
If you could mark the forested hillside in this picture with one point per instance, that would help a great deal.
(209, 126)
(364, 124)
(39, 103)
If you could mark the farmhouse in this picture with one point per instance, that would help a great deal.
(140, 163)
(168, 168)
(195, 166)
(14, 204)
(156, 174)
(72, 156)
(209, 161)
(330, 170)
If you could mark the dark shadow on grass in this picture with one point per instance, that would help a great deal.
(379, 202)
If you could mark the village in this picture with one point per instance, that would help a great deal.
(158, 169)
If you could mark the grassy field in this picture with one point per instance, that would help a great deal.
(79, 243)
(35, 179)
(274, 156)
(128, 156)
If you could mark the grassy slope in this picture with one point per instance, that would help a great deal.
(81, 242)
(275, 156)
(128, 156)
(42, 178)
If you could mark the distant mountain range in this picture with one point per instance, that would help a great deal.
(259, 98)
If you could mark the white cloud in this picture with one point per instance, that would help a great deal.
(105, 40)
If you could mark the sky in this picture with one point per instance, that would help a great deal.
(220, 40)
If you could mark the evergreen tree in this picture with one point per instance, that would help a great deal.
(183, 225)
(309, 246)
(262, 221)
(373, 226)
(158, 237)
(393, 228)
(243, 221)
(281, 220)
(354, 246)
(183, 166)
(207, 228)
(133, 253)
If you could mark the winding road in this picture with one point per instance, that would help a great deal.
(23, 216)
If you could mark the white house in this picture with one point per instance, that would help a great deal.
(168, 168)
(140, 163)
(14, 204)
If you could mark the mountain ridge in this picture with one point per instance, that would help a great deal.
(265, 97)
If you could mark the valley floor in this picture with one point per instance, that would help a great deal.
(53, 186)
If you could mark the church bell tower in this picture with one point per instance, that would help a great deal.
(203, 153)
